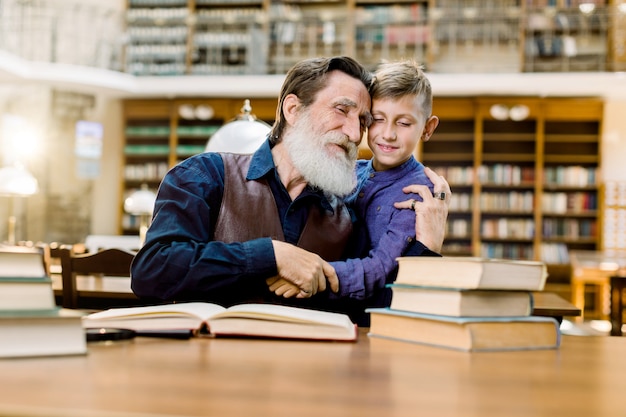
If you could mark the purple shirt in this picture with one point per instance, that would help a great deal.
(390, 230)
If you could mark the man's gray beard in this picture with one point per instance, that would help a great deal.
(333, 174)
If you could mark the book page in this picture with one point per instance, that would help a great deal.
(275, 312)
(199, 310)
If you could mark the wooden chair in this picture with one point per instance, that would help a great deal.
(107, 264)
(618, 285)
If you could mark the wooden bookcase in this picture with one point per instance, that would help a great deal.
(562, 36)
(523, 172)
(159, 133)
(204, 37)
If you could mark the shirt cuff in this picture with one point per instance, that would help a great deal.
(260, 258)
(417, 248)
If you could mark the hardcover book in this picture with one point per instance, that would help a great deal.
(460, 302)
(51, 332)
(466, 333)
(24, 282)
(471, 273)
(22, 262)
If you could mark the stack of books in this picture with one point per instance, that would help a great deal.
(466, 303)
(30, 322)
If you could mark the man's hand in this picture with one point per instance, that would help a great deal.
(300, 272)
(431, 213)
(283, 288)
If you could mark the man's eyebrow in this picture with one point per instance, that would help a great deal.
(366, 116)
(343, 101)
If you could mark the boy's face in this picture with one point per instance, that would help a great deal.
(398, 125)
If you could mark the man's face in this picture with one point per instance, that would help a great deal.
(323, 141)
(342, 106)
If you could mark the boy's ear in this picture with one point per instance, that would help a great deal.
(429, 128)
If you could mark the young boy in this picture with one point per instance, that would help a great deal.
(401, 108)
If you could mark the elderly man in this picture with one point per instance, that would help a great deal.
(228, 226)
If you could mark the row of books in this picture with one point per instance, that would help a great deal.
(507, 250)
(30, 322)
(507, 174)
(569, 202)
(466, 303)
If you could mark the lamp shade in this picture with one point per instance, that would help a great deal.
(140, 202)
(15, 180)
(242, 135)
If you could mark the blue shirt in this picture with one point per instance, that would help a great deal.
(181, 261)
(391, 230)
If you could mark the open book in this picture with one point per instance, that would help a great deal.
(251, 320)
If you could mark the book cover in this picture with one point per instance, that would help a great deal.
(461, 302)
(17, 293)
(466, 333)
(22, 262)
(248, 320)
(472, 273)
(32, 333)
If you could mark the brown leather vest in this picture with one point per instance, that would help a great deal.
(249, 211)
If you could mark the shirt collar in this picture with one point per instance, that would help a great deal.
(263, 163)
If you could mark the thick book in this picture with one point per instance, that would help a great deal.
(472, 273)
(466, 333)
(460, 302)
(243, 320)
(17, 293)
(53, 332)
(22, 262)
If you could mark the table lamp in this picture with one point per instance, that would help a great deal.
(15, 182)
(243, 135)
(141, 203)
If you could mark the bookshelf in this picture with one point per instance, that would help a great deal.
(567, 36)
(159, 133)
(235, 37)
(228, 37)
(390, 30)
(524, 172)
(158, 32)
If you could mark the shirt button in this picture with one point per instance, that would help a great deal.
(409, 239)
(361, 195)
(378, 208)
(372, 175)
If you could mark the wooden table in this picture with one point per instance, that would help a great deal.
(373, 377)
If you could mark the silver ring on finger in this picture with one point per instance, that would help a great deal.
(440, 196)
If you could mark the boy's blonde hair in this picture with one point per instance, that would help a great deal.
(397, 79)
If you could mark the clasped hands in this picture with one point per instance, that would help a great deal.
(303, 274)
